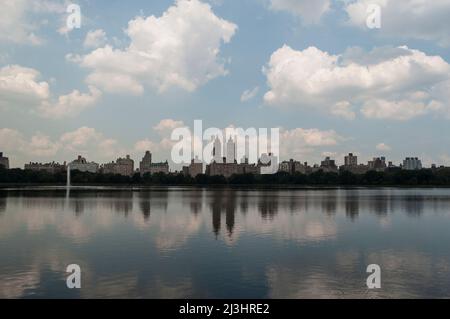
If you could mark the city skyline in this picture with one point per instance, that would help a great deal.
(347, 88)
(146, 165)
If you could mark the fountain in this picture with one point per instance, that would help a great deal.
(68, 176)
(67, 188)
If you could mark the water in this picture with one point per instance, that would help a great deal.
(222, 243)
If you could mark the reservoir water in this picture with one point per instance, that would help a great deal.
(178, 242)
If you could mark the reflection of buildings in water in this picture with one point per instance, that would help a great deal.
(145, 208)
(78, 207)
(230, 211)
(268, 205)
(194, 199)
(297, 203)
(223, 200)
(413, 205)
(2, 202)
(379, 205)
(329, 205)
(243, 204)
(352, 207)
(121, 202)
(149, 199)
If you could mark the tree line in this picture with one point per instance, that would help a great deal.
(392, 177)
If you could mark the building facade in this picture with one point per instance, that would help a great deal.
(412, 164)
(378, 164)
(4, 161)
(194, 169)
(162, 167)
(329, 165)
(351, 165)
(51, 168)
(146, 165)
(293, 167)
(228, 169)
(122, 166)
(350, 160)
(231, 151)
(82, 165)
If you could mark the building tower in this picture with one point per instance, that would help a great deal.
(231, 151)
(351, 160)
(217, 151)
(146, 163)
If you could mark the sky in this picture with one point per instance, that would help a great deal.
(136, 70)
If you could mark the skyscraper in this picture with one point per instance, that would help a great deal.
(146, 163)
(217, 151)
(231, 151)
(412, 164)
(351, 160)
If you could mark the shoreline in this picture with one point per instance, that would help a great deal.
(216, 186)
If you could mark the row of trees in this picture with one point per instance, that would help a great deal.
(424, 177)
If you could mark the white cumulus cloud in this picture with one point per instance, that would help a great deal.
(21, 85)
(400, 84)
(179, 49)
(95, 39)
(69, 105)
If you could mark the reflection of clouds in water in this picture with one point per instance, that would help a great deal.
(23, 280)
(37, 220)
(167, 221)
(404, 274)
(15, 283)
(172, 230)
(407, 274)
(296, 227)
(131, 286)
(289, 283)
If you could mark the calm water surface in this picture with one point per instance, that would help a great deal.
(223, 243)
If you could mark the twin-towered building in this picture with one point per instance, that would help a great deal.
(227, 166)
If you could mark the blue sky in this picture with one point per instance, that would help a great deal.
(354, 91)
